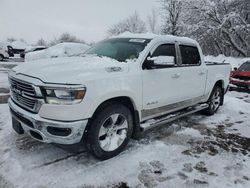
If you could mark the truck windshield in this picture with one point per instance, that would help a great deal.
(121, 49)
(245, 67)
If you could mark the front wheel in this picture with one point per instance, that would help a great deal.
(110, 131)
(214, 101)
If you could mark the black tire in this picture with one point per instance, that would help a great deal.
(1, 57)
(213, 108)
(93, 138)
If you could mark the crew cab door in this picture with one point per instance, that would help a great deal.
(193, 73)
(161, 84)
(168, 88)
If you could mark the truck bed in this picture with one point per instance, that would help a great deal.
(217, 71)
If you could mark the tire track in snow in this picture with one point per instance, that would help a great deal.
(59, 160)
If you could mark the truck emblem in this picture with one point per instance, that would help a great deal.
(16, 90)
(151, 103)
(114, 69)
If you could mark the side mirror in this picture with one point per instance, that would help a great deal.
(162, 60)
(235, 68)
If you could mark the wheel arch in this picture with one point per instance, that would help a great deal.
(221, 84)
(130, 104)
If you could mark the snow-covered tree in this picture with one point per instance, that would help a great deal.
(133, 24)
(11, 39)
(221, 26)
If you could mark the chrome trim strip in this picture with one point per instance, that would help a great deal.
(163, 110)
(172, 117)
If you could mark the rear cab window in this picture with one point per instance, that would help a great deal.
(190, 55)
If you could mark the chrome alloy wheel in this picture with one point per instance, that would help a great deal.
(113, 132)
(215, 102)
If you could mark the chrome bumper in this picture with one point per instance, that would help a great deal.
(39, 126)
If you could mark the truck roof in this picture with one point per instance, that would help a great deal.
(156, 37)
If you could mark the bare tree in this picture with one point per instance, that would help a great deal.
(172, 12)
(66, 37)
(11, 39)
(133, 24)
(23, 40)
(152, 21)
(41, 42)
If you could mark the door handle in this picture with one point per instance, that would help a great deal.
(177, 75)
(202, 73)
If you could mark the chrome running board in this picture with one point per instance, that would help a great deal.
(162, 120)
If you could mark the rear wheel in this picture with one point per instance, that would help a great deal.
(110, 131)
(214, 101)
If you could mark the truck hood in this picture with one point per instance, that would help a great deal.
(71, 70)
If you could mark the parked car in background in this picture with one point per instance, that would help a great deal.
(19, 46)
(65, 49)
(10, 51)
(3, 52)
(120, 88)
(240, 77)
(32, 49)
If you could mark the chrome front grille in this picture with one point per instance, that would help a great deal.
(23, 94)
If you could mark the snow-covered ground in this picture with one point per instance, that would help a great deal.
(10, 63)
(197, 151)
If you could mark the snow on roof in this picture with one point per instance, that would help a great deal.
(134, 35)
(156, 37)
(19, 45)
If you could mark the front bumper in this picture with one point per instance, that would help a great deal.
(48, 131)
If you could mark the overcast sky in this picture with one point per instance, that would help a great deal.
(87, 19)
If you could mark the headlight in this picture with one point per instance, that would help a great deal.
(64, 96)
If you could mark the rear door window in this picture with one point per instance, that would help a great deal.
(190, 55)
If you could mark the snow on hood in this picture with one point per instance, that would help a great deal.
(73, 70)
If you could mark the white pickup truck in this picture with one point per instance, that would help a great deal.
(120, 88)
